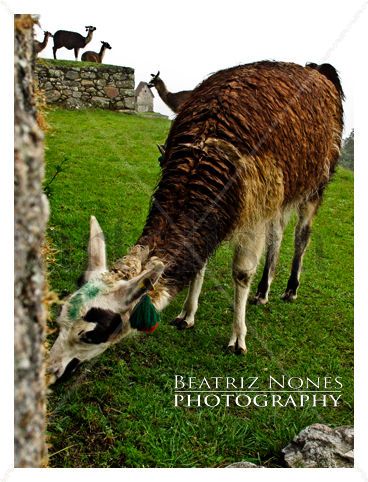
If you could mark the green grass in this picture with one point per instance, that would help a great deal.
(71, 63)
(118, 411)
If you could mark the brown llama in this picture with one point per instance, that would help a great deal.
(91, 56)
(253, 142)
(171, 99)
(39, 46)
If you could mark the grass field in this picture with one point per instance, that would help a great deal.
(118, 410)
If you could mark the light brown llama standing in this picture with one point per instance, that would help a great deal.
(253, 143)
(174, 100)
(39, 46)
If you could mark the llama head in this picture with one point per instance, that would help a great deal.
(106, 45)
(98, 314)
(153, 81)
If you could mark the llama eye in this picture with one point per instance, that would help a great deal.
(107, 324)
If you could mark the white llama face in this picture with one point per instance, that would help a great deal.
(97, 315)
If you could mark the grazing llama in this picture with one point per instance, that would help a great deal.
(253, 142)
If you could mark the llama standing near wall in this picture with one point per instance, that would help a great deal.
(39, 46)
(253, 143)
(171, 99)
(72, 40)
(91, 56)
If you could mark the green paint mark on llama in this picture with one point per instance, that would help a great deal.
(75, 305)
(91, 290)
(86, 293)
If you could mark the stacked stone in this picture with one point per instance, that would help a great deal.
(105, 86)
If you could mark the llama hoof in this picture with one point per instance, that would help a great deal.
(181, 324)
(289, 296)
(237, 349)
(259, 300)
(176, 321)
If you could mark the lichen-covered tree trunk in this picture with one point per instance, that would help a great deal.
(31, 213)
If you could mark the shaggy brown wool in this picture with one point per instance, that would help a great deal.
(250, 141)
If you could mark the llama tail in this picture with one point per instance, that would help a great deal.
(330, 73)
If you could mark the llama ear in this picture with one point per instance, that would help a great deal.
(96, 251)
(128, 291)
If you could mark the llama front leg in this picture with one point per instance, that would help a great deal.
(187, 314)
(275, 231)
(246, 258)
(303, 231)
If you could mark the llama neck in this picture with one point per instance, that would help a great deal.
(183, 254)
(161, 89)
(132, 265)
(102, 53)
(88, 38)
(44, 42)
(197, 204)
(183, 249)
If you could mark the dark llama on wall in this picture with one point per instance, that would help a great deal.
(72, 40)
(252, 143)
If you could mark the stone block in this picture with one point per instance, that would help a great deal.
(55, 73)
(320, 446)
(129, 103)
(100, 102)
(88, 75)
(111, 91)
(72, 75)
(52, 95)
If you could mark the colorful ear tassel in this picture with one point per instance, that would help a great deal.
(145, 317)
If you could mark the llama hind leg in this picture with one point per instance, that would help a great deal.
(275, 231)
(303, 229)
(186, 317)
(246, 258)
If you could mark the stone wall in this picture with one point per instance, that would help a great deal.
(77, 85)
